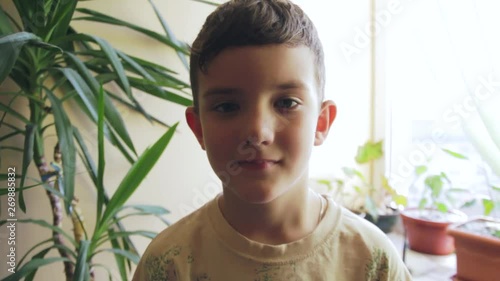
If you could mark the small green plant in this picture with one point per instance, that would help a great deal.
(439, 192)
(359, 193)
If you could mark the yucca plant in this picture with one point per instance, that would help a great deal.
(84, 247)
(57, 69)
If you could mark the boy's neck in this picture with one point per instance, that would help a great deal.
(288, 218)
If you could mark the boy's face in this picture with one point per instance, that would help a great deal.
(259, 117)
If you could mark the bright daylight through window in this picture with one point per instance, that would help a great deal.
(441, 62)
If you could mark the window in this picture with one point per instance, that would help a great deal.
(437, 54)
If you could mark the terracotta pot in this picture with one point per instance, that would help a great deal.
(478, 256)
(428, 236)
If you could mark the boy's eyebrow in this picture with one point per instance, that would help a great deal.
(294, 84)
(220, 91)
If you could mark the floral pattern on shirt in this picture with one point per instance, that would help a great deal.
(377, 267)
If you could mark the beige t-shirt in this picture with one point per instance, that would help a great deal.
(203, 246)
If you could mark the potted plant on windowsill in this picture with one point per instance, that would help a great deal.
(477, 241)
(426, 225)
(378, 203)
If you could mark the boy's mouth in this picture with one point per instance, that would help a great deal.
(257, 164)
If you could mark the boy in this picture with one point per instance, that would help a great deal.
(257, 75)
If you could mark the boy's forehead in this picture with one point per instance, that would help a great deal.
(275, 66)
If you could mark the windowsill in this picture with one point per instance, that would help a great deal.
(425, 267)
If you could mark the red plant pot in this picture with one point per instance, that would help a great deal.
(478, 256)
(428, 236)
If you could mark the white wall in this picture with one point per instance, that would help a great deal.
(182, 180)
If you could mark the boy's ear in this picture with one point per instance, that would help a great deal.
(193, 120)
(325, 120)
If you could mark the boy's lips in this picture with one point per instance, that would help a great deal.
(257, 164)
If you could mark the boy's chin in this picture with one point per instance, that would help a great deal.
(253, 195)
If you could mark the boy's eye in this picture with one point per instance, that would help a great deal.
(286, 104)
(226, 107)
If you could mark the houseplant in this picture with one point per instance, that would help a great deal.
(426, 224)
(378, 203)
(108, 228)
(58, 70)
(477, 241)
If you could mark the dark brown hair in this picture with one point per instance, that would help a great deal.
(254, 22)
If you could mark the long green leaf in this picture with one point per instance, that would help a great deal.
(134, 177)
(105, 267)
(110, 135)
(168, 80)
(18, 149)
(112, 115)
(58, 23)
(133, 107)
(120, 260)
(170, 35)
(5, 26)
(82, 266)
(82, 89)
(166, 222)
(10, 47)
(136, 66)
(100, 17)
(160, 93)
(115, 63)
(159, 82)
(32, 265)
(154, 210)
(29, 140)
(153, 66)
(25, 9)
(454, 154)
(128, 255)
(143, 233)
(86, 158)
(4, 191)
(154, 72)
(39, 255)
(91, 105)
(12, 112)
(64, 131)
(89, 163)
(20, 261)
(101, 161)
(46, 225)
(7, 136)
(13, 127)
(129, 246)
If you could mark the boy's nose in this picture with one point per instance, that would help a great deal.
(260, 129)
